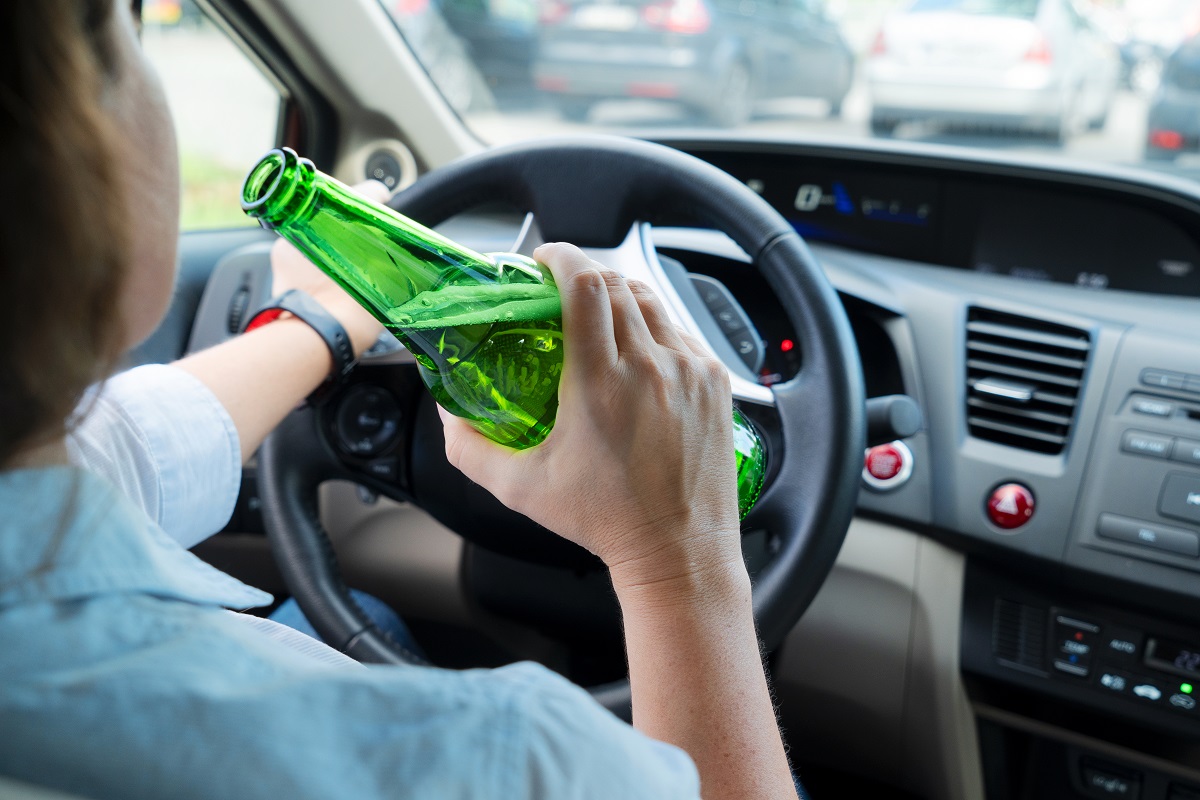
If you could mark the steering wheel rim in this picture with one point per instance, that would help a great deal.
(591, 190)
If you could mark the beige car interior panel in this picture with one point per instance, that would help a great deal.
(396, 552)
(869, 679)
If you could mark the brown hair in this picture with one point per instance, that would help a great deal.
(62, 232)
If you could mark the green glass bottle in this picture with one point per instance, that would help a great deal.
(485, 330)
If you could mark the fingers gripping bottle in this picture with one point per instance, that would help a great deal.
(485, 330)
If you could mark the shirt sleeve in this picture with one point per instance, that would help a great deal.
(569, 746)
(161, 437)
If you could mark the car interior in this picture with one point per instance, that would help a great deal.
(998, 598)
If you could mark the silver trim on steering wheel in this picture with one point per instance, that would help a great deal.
(636, 258)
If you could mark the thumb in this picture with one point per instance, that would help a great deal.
(476, 456)
(373, 190)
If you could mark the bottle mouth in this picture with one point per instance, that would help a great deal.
(277, 186)
(263, 180)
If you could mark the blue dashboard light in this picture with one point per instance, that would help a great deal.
(842, 201)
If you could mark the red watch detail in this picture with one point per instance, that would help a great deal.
(264, 317)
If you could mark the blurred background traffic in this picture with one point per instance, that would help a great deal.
(1116, 81)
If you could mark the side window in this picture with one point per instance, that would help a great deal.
(226, 111)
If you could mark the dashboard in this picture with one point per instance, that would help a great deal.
(1047, 321)
(1082, 235)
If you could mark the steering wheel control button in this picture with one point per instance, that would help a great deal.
(386, 469)
(887, 466)
(1010, 506)
(1162, 379)
(1152, 407)
(367, 421)
(1186, 451)
(1148, 534)
(1180, 497)
(1146, 444)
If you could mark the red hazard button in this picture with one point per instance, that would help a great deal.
(1010, 506)
(887, 466)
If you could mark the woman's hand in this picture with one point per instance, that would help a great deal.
(291, 270)
(639, 468)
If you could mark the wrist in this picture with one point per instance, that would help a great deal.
(712, 573)
(296, 308)
(362, 328)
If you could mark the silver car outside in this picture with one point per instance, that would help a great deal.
(1021, 64)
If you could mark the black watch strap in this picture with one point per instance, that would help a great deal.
(300, 305)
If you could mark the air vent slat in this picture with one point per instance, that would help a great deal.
(1045, 365)
(1018, 430)
(996, 367)
(1023, 355)
(1020, 412)
(1040, 396)
(1034, 336)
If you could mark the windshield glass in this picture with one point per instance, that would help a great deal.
(1114, 81)
(1002, 8)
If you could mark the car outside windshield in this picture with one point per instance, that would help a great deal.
(1080, 79)
(1002, 8)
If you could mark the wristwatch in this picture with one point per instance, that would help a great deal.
(300, 305)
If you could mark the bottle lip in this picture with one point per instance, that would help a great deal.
(274, 159)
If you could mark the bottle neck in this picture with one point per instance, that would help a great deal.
(279, 188)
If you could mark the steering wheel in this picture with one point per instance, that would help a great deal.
(600, 193)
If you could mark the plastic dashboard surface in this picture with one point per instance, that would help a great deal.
(930, 310)
(1079, 287)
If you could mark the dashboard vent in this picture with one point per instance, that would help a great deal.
(1019, 634)
(1023, 380)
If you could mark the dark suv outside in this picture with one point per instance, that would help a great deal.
(714, 56)
(1173, 124)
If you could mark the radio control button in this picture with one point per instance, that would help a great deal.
(1146, 444)
(1148, 534)
(1163, 379)
(1181, 497)
(1186, 451)
(1152, 407)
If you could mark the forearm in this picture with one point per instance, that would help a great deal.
(698, 680)
(261, 376)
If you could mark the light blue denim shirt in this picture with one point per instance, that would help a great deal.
(123, 674)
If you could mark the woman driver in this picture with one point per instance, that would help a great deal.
(124, 676)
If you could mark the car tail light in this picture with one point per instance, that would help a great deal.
(551, 12)
(551, 83)
(879, 46)
(656, 90)
(1039, 52)
(408, 8)
(1167, 140)
(678, 16)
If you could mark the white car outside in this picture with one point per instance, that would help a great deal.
(1021, 64)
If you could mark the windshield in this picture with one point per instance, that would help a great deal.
(1002, 8)
(1091, 80)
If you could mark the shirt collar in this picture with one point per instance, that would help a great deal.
(67, 534)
